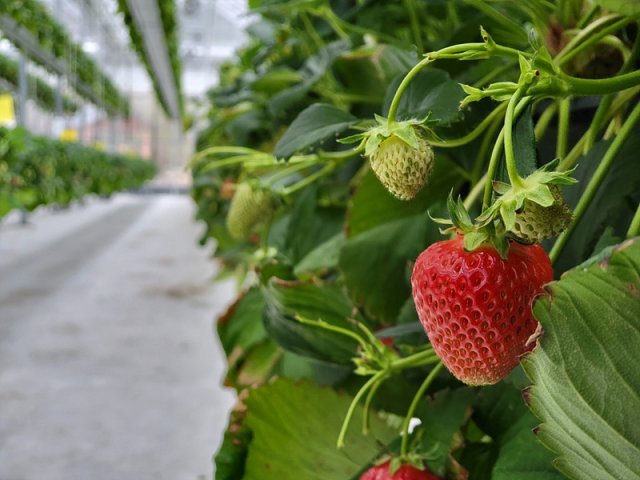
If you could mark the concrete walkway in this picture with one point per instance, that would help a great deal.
(109, 368)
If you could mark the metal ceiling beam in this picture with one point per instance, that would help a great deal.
(24, 40)
(146, 17)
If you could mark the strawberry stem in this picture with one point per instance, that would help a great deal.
(510, 159)
(588, 36)
(564, 111)
(354, 403)
(327, 169)
(634, 227)
(414, 404)
(473, 134)
(367, 405)
(495, 156)
(596, 180)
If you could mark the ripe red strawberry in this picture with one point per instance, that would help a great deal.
(405, 472)
(476, 306)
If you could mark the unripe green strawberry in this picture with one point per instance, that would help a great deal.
(249, 209)
(402, 169)
(535, 223)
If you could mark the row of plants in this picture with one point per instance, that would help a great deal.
(37, 171)
(53, 39)
(168, 17)
(431, 210)
(37, 88)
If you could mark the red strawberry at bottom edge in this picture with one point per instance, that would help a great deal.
(405, 472)
(476, 306)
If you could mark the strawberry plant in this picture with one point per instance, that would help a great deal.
(36, 171)
(431, 211)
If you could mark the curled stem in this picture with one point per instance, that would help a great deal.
(367, 405)
(509, 155)
(590, 35)
(475, 133)
(495, 156)
(354, 403)
(328, 168)
(414, 404)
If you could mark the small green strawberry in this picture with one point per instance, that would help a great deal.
(400, 156)
(250, 208)
(401, 168)
(535, 223)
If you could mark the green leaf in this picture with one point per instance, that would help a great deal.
(309, 225)
(584, 370)
(323, 257)
(441, 417)
(313, 70)
(285, 300)
(231, 457)
(524, 144)
(376, 264)
(295, 427)
(523, 457)
(242, 326)
(313, 125)
(625, 7)
(431, 92)
(502, 414)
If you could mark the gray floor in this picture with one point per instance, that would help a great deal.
(109, 368)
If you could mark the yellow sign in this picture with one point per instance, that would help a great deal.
(69, 135)
(7, 112)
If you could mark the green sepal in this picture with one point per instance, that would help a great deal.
(395, 464)
(541, 195)
(358, 137)
(500, 187)
(407, 131)
(487, 39)
(534, 188)
(473, 240)
(508, 213)
(459, 215)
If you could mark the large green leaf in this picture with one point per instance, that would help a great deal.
(285, 300)
(502, 414)
(323, 257)
(313, 70)
(232, 454)
(430, 92)
(376, 264)
(367, 71)
(242, 326)
(442, 416)
(586, 383)
(313, 125)
(295, 427)
(373, 205)
(308, 225)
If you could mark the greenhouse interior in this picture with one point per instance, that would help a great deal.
(319, 239)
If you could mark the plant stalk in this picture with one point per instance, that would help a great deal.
(414, 404)
(596, 180)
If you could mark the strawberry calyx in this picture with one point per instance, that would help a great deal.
(409, 131)
(475, 235)
(534, 188)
